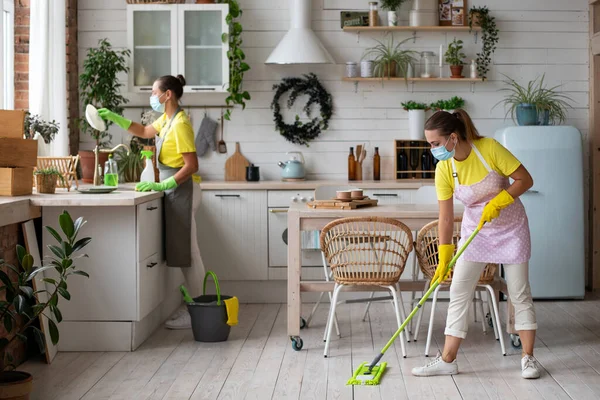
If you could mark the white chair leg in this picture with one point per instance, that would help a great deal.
(335, 321)
(497, 318)
(364, 318)
(336, 292)
(475, 298)
(392, 290)
(327, 276)
(480, 305)
(491, 311)
(430, 330)
(402, 310)
(420, 312)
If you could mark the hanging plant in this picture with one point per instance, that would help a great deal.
(480, 16)
(299, 132)
(236, 56)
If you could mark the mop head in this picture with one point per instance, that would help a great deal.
(362, 376)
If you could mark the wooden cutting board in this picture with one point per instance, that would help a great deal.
(235, 166)
(342, 205)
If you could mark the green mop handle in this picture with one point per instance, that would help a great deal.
(423, 300)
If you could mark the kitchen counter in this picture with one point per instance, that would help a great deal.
(312, 184)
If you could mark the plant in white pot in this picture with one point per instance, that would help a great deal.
(416, 119)
(20, 309)
(449, 105)
(392, 6)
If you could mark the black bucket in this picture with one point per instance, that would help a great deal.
(209, 315)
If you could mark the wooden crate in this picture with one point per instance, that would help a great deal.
(12, 123)
(16, 181)
(413, 152)
(18, 152)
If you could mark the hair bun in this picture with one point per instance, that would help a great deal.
(181, 79)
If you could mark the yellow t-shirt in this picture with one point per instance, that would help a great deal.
(179, 140)
(471, 170)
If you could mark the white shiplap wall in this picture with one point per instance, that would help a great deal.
(537, 36)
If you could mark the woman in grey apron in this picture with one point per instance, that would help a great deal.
(176, 162)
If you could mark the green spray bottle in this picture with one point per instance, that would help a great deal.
(148, 172)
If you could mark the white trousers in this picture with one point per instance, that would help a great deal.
(464, 280)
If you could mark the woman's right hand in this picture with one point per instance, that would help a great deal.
(442, 272)
(106, 114)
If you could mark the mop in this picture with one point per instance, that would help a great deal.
(370, 374)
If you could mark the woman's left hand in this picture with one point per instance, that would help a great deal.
(167, 184)
(492, 209)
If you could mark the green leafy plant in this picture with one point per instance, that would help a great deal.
(454, 54)
(20, 310)
(49, 172)
(131, 165)
(387, 58)
(544, 99)
(391, 5)
(413, 105)
(35, 124)
(489, 37)
(99, 85)
(236, 56)
(451, 104)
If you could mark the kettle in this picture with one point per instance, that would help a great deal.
(293, 168)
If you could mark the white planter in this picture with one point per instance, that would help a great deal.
(416, 124)
(425, 5)
(392, 18)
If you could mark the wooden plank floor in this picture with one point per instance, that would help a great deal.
(257, 362)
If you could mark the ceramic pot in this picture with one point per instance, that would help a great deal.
(544, 118)
(388, 70)
(527, 114)
(87, 164)
(456, 71)
(416, 124)
(392, 18)
(15, 385)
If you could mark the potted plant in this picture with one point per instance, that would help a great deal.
(534, 104)
(131, 163)
(455, 57)
(448, 105)
(480, 16)
(21, 310)
(99, 85)
(237, 64)
(36, 127)
(45, 179)
(416, 118)
(388, 59)
(392, 6)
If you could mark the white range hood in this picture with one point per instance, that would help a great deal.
(300, 45)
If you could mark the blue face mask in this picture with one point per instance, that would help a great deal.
(156, 104)
(442, 153)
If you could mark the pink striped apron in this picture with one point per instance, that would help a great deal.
(505, 240)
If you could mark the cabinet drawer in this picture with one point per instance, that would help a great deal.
(150, 284)
(149, 229)
(391, 196)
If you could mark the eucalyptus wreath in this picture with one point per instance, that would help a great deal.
(299, 132)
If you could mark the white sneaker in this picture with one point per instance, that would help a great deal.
(529, 367)
(183, 322)
(437, 366)
(179, 312)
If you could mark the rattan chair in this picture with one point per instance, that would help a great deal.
(426, 248)
(366, 251)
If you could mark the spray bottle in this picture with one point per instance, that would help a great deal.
(148, 172)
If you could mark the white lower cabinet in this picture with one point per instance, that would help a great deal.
(126, 287)
(232, 233)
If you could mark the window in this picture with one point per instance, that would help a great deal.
(7, 47)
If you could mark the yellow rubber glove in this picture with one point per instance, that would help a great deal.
(492, 209)
(445, 254)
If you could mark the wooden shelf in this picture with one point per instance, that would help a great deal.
(412, 79)
(409, 28)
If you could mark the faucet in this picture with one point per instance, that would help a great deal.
(98, 150)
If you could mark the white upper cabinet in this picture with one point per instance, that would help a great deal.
(178, 39)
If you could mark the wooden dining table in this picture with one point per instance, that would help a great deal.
(302, 217)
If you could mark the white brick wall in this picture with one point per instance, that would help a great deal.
(537, 36)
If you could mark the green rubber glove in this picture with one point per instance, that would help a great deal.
(445, 253)
(123, 122)
(167, 184)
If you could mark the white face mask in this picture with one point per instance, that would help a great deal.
(156, 104)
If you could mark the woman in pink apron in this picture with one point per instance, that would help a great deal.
(476, 171)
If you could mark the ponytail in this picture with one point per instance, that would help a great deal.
(459, 121)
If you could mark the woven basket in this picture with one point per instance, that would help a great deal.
(426, 248)
(45, 183)
(155, 1)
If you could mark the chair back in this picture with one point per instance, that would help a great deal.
(426, 248)
(366, 250)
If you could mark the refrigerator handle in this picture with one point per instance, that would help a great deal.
(532, 191)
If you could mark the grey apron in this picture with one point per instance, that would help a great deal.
(177, 206)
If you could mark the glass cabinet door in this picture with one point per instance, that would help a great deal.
(152, 39)
(203, 54)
